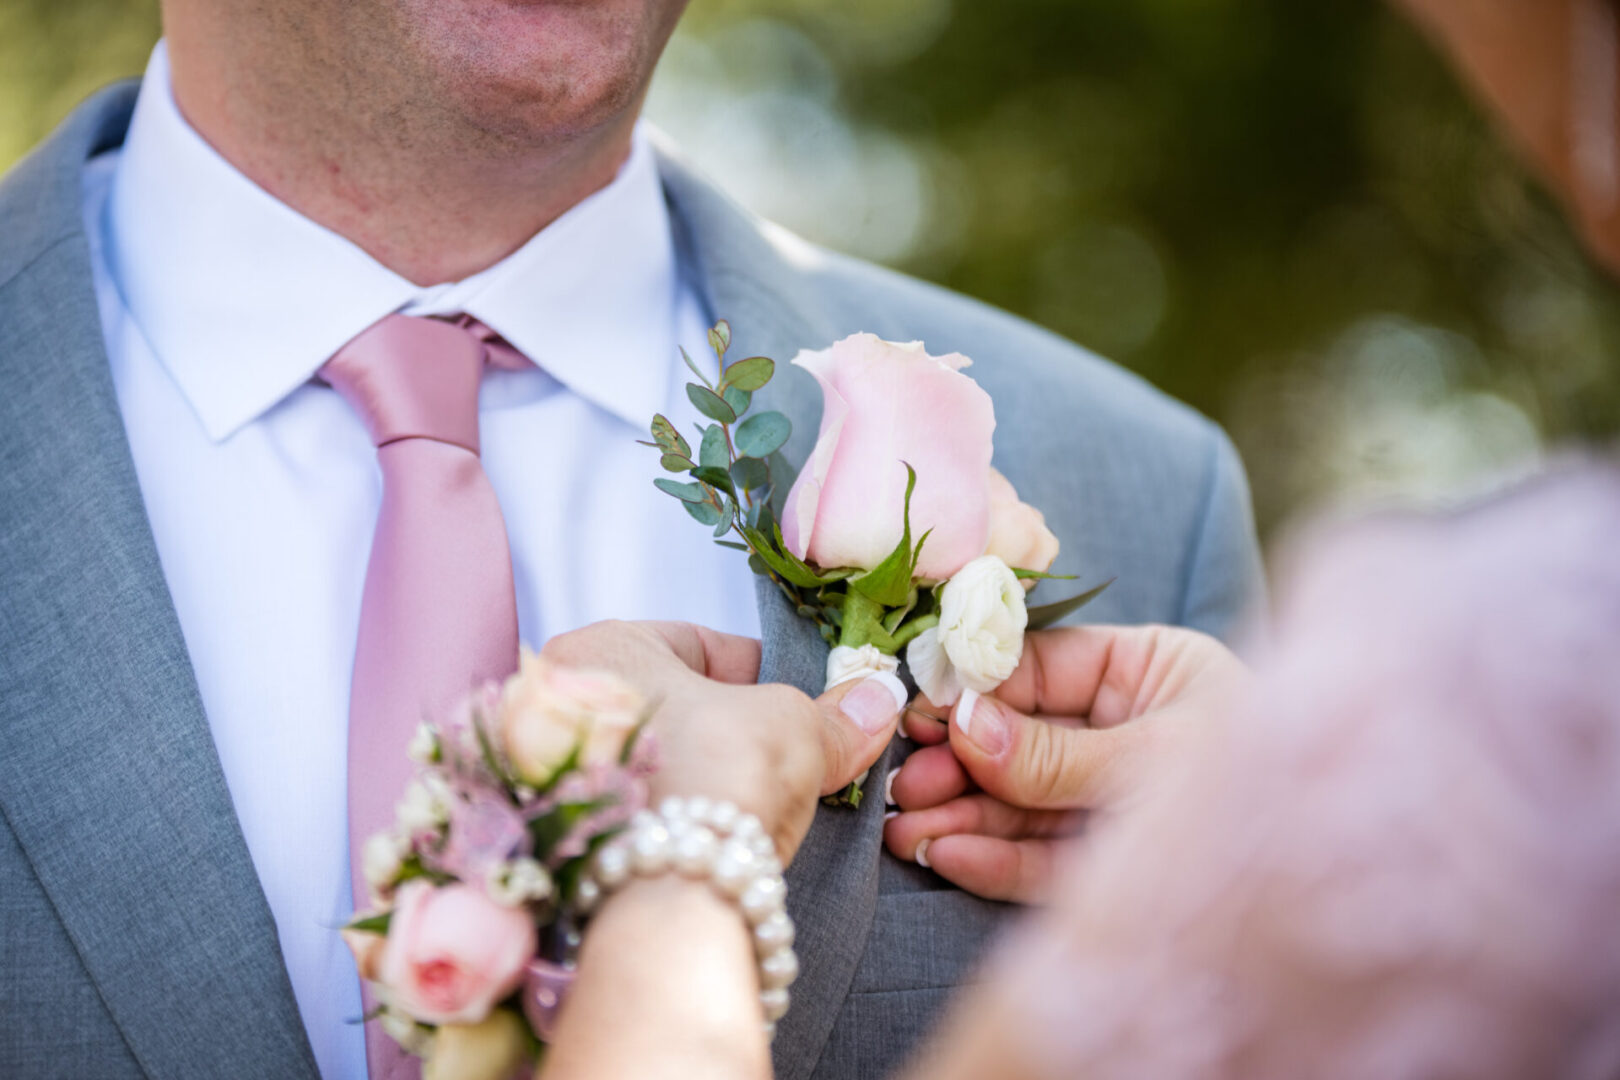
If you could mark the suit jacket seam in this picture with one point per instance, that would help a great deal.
(1200, 534)
(49, 248)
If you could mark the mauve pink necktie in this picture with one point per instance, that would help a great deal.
(439, 614)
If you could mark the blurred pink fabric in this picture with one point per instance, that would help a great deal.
(1402, 859)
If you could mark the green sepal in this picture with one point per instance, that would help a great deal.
(1039, 575)
(889, 582)
(1046, 614)
(371, 924)
(710, 404)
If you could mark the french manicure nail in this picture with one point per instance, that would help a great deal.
(983, 724)
(891, 815)
(874, 704)
(888, 787)
(922, 854)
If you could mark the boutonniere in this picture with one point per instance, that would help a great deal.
(897, 536)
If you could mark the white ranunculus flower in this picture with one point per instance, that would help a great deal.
(424, 746)
(425, 805)
(383, 857)
(980, 636)
(518, 882)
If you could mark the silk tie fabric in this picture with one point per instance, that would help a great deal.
(439, 612)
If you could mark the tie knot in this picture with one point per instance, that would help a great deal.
(417, 378)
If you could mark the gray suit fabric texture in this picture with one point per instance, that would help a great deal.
(135, 940)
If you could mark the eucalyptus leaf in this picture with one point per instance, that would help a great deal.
(737, 399)
(710, 404)
(694, 368)
(687, 493)
(668, 439)
(713, 449)
(733, 545)
(703, 511)
(1047, 614)
(715, 478)
(762, 435)
(749, 473)
(676, 463)
(757, 565)
(750, 374)
(1038, 575)
(720, 337)
(728, 513)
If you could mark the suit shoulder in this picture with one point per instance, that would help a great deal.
(1034, 375)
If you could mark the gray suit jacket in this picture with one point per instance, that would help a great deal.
(134, 937)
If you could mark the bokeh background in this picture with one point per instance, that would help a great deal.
(1285, 212)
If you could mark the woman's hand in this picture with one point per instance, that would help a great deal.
(1073, 729)
(770, 749)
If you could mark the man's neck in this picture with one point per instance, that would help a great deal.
(432, 203)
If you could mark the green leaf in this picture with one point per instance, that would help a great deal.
(720, 337)
(694, 368)
(372, 924)
(1046, 614)
(889, 582)
(1038, 575)
(703, 511)
(715, 478)
(668, 439)
(749, 473)
(676, 463)
(762, 435)
(750, 374)
(784, 562)
(710, 404)
(728, 514)
(733, 545)
(737, 399)
(757, 565)
(687, 493)
(713, 450)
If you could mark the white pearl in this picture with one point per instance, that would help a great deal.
(673, 806)
(694, 851)
(586, 894)
(775, 1003)
(763, 845)
(747, 826)
(698, 807)
(774, 934)
(649, 851)
(779, 969)
(613, 865)
(762, 899)
(734, 869)
(770, 866)
(645, 819)
(723, 816)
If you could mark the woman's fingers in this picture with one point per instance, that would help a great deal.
(930, 776)
(924, 722)
(1016, 871)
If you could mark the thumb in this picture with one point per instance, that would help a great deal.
(1031, 763)
(858, 720)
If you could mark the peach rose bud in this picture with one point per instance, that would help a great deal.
(884, 406)
(452, 952)
(548, 711)
(1018, 533)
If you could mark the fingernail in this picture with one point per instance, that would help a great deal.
(875, 703)
(922, 854)
(888, 788)
(983, 724)
(891, 815)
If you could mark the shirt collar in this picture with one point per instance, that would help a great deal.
(242, 298)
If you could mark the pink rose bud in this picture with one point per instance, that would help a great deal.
(452, 952)
(548, 711)
(1018, 532)
(885, 406)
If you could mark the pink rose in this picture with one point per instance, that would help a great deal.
(1018, 532)
(547, 710)
(884, 406)
(452, 952)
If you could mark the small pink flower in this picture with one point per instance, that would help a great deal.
(452, 952)
(885, 406)
(548, 711)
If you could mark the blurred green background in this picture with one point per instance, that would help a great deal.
(1282, 211)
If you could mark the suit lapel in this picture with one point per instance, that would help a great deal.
(833, 881)
(109, 777)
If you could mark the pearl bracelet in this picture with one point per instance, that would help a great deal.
(702, 839)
